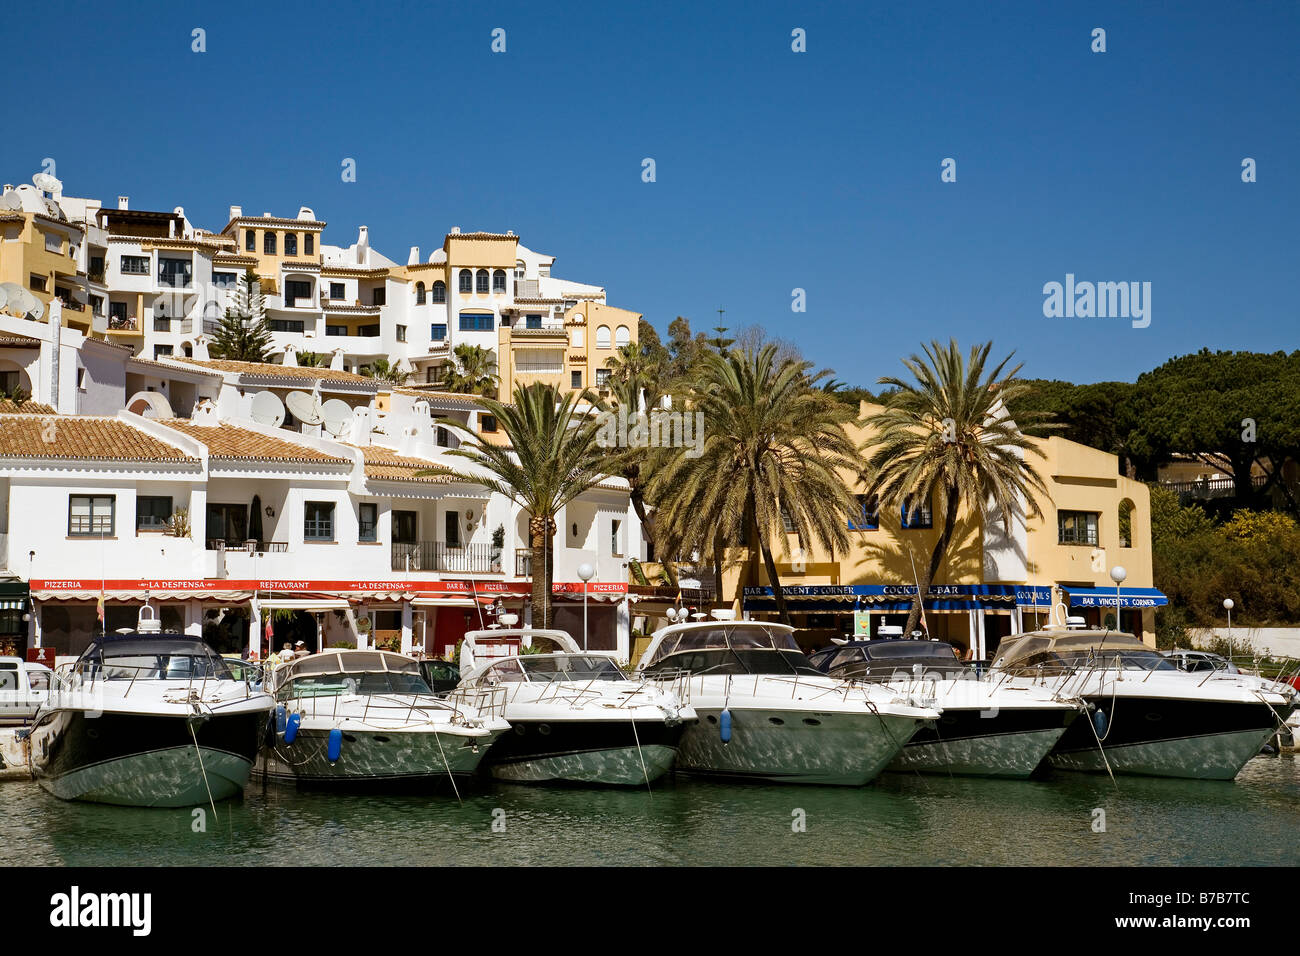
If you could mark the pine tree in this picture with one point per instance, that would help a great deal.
(243, 335)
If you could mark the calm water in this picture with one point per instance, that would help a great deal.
(899, 820)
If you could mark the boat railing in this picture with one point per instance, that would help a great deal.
(486, 700)
(86, 684)
(674, 682)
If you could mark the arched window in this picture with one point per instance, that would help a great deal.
(419, 293)
(499, 280)
(466, 281)
(290, 243)
(621, 336)
(602, 337)
(579, 337)
(1126, 523)
(439, 291)
(481, 281)
(268, 243)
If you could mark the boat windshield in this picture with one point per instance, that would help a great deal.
(740, 635)
(560, 667)
(364, 684)
(1060, 653)
(154, 659)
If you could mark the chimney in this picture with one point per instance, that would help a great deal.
(414, 258)
(236, 212)
(336, 360)
(455, 230)
(123, 202)
(201, 349)
(290, 357)
(363, 245)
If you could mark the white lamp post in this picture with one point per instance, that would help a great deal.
(1228, 606)
(585, 573)
(1117, 574)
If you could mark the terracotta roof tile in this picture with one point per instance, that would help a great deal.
(272, 370)
(83, 438)
(18, 342)
(9, 407)
(227, 442)
(384, 464)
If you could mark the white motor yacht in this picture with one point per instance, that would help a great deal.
(1145, 716)
(358, 718)
(574, 715)
(766, 713)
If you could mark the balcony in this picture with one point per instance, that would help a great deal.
(1206, 488)
(439, 556)
(174, 280)
(125, 325)
(523, 562)
(251, 546)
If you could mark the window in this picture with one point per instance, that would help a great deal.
(117, 310)
(579, 337)
(499, 280)
(438, 331)
(96, 267)
(318, 521)
(1077, 527)
(160, 350)
(622, 336)
(81, 379)
(135, 265)
(787, 522)
(371, 331)
(466, 281)
(290, 243)
(401, 333)
(152, 512)
(444, 437)
(268, 243)
(1126, 523)
(488, 423)
(97, 304)
(575, 379)
(476, 322)
(439, 291)
(174, 272)
(419, 293)
(162, 324)
(250, 240)
(336, 291)
(532, 321)
(539, 361)
(224, 280)
(602, 377)
(379, 296)
(405, 526)
(616, 538)
(308, 244)
(226, 522)
(367, 521)
(922, 518)
(8, 383)
(451, 523)
(602, 337)
(295, 289)
(53, 242)
(285, 325)
(481, 281)
(90, 515)
(868, 516)
(336, 330)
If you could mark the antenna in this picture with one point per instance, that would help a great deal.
(306, 408)
(337, 415)
(267, 409)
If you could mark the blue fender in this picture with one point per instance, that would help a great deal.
(724, 726)
(335, 746)
(1099, 722)
(291, 728)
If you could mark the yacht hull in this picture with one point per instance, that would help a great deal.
(781, 745)
(380, 758)
(144, 760)
(1007, 743)
(606, 752)
(1162, 737)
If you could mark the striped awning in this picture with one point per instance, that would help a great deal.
(899, 597)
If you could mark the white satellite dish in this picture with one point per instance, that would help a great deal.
(337, 415)
(12, 297)
(268, 409)
(35, 308)
(150, 405)
(306, 408)
(4, 297)
(10, 201)
(47, 183)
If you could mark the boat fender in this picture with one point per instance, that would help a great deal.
(279, 718)
(724, 726)
(291, 728)
(1099, 722)
(335, 745)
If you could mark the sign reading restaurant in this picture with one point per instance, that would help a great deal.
(200, 587)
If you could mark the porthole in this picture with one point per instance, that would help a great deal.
(812, 721)
(776, 721)
(543, 729)
(379, 739)
(349, 738)
(520, 729)
(712, 719)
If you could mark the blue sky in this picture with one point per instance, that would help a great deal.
(775, 170)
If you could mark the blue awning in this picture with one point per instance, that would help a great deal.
(899, 597)
(1105, 597)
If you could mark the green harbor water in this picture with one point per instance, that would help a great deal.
(900, 820)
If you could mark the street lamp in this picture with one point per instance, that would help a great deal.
(1117, 574)
(585, 573)
(1228, 606)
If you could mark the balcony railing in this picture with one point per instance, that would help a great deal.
(439, 556)
(251, 546)
(116, 324)
(174, 280)
(1206, 488)
(523, 562)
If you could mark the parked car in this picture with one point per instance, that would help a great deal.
(1200, 662)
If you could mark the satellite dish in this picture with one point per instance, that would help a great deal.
(11, 297)
(305, 408)
(150, 405)
(268, 409)
(4, 297)
(53, 209)
(47, 183)
(36, 308)
(337, 415)
(10, 201)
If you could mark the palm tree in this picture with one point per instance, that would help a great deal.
(473, 371)
(774, 450)
(243, 335)
(383, 370)
(313, 360)
(948, 435)
(552, 457)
